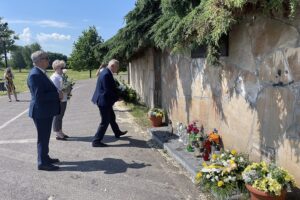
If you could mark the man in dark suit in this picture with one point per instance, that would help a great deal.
(44, 105)
(104, 97)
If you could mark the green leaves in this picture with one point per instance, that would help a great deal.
(7, 38)
(181, 24)
(83, 54)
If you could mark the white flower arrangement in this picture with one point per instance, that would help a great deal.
(224, 168)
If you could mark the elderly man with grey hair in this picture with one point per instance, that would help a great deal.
(44, 105)
(104, 97)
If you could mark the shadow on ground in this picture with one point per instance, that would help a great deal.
(109, 139)
(107, 165)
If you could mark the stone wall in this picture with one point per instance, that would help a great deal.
(141, 78)
(253, 99)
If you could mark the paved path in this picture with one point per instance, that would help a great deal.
(128, 169)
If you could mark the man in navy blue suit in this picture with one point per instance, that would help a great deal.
(44, 105)
(104, 97)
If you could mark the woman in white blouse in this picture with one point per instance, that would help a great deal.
(56, 77)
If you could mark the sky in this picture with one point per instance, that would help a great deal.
(57, 24)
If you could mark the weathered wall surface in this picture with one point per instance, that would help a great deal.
(142, 77)
(253, 99)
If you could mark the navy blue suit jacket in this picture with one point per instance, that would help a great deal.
(106, 90)
(45, 101)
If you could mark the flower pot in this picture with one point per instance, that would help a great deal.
(260, 195)
(156, 121)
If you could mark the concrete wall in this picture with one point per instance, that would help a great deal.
(239, 98)
(141, 78)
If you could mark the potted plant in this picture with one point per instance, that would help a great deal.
(155, 116)
(223, 176)
(267, 181)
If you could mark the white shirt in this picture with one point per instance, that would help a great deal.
(44, 71)
(58, 82)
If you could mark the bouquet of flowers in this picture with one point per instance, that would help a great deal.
(268, 178)
(223, 177)
(67, 84)
(193, 133)
(126, 93)
(214, 139)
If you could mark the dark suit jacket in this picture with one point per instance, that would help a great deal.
(44, 96)
(106, 90)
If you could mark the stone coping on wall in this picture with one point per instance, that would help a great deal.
(177, 150)
(168, 141)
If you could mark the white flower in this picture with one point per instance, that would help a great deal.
(64, 71)
(207, 176)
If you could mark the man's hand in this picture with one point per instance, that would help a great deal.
(61, 95)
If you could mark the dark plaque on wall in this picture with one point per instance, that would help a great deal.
(200, 51)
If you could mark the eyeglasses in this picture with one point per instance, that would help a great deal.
(46, 58)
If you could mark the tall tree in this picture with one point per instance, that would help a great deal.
(83, 56)
(53, 56)
(27, 51)
(7, 39)
(17, 59)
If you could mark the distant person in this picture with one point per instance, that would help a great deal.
(44, 105)
(9, 84)
(101, 68)
(104, 97)
(57, 79)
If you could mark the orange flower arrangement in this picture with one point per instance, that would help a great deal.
(213, 137)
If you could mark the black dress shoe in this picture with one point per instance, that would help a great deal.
(53, 160)
(48, 167)
(121, 133)
(66, 136)
(99, 144)
(59, 138)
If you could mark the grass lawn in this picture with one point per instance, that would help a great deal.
(20, 79)
(140, 114)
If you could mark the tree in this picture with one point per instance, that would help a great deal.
(7, 39)
(17, 59)
(27, 51)
(136, 35)
(83, 56)
(21, 56)
(56, 56)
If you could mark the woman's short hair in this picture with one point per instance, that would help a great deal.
(38, 56)
(58, 63)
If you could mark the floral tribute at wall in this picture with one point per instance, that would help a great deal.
(227, 173)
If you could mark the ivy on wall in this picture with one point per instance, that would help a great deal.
(182, 24)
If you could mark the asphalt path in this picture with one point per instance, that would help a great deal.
(130, 168)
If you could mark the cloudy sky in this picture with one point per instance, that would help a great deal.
(56, 24)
